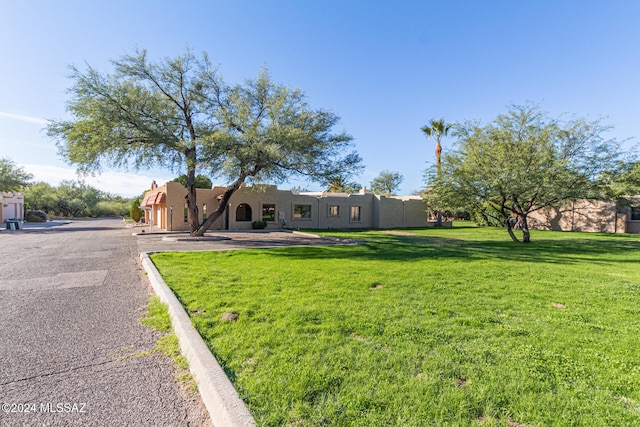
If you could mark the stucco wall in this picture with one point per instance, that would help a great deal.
(583, 215)
(170, 215)
(321, 210)
(11, 206)
(399, 212)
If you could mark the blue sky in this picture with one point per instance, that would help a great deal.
(385, 67)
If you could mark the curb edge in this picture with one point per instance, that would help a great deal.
(218, 394)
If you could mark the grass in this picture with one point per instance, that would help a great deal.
(452, 326)
(157, 318)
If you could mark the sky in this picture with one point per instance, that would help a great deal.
(385, 67)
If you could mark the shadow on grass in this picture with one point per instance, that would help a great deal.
(394, 248)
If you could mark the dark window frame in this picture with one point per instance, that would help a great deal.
(245, 214)
(352, 211)
(305, 214)
(271, 215)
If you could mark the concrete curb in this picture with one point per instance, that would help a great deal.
(218, 394)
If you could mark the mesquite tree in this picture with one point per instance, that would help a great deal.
(178, 113)
(386, 183)
(522, 162)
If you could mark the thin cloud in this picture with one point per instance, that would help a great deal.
(29, 119)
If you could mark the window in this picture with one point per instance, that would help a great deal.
(334, 210)
(269, 212)
(302, 211)
(355, 214)
(243, 212)
(204, 211)
(186, 213)
(635, 213)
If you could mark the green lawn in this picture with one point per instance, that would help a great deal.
(455, 326)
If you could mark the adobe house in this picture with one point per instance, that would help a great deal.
(166, 207)
(12, 206)
(588, 216)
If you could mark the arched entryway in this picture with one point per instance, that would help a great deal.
(243, 212)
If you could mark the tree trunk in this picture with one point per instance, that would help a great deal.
(507, 222)
(524, 226)
(438, 152)
(190, 198)
(224, 202)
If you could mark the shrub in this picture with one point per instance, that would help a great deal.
(136, 212)
(35, 216)
(259, 225)
(114, 207)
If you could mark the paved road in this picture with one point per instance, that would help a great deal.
(70, 340)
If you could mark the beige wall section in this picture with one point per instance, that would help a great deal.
(308, 210)
(402, 212)
(338, 210)
(292, 209)
(582, 215)
(170, 215)
(12, 206)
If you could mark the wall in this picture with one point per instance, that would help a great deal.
(170, 215)
(399, 212)
(11, 206)
(324, 210)
(582, 215)
(285, 208)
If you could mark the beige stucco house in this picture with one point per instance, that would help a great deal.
(589, 216)
(12, 206)
(165, 206)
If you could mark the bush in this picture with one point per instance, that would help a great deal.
(259, 225)
(35, 216)
(136, 212)
(105, 208)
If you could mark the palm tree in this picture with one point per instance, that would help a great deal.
(437, 128)
(340, 184)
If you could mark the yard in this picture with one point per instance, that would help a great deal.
(455, 326)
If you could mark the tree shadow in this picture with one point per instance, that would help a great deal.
(59, 229)
(397, 248)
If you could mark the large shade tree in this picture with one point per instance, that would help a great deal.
(12, 176)
(626, 182)
(179, 113)
(522, 162)
(200, 181)
(386, 183)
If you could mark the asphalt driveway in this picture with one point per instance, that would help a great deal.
(71, 347)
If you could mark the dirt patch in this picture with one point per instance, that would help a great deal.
(462, 382)
(358, 338)
(197, 311)
(558, 305)
(229, 317)
(375, 286)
